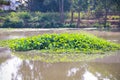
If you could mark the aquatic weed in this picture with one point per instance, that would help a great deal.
(79, 42)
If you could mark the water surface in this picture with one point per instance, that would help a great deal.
(14, 68)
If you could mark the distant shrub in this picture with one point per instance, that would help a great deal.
(108, 24)
(13, 23)
(23, 15)
(1, 10)
(75, 16)
(33, 20)
(97, 25)
(37, 13)
(35, 25)
(49, 17)
(2, 2)
(98, 14)
(16, 20)
(69, 25)
(2, 18)
(41, 20)
(1, 25)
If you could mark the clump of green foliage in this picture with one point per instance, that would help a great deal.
(32, 20)
(2, 2)
(79, 42)
(15, 20)
(99, 25)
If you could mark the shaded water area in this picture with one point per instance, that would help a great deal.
(14, 68)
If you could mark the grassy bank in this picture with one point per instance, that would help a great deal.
(60, 43)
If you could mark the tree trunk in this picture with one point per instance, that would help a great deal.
(59, 6)
(30, 5)
(78, 22)
(105, 19)
(119, 20)
(61, 10)
(72, 15)
(62, 16)
(106, 13)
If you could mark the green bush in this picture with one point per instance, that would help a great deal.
(33, 20)
(97, 25)
(82, 15)
(34, 25)
(1, 25)
(77, 42)
(108, 25)
(49, 17)
(2, 2)
(13, 23)
(98, 14)
(45, 20)
(41, 20)
(69, 25)
(20, 15)
(16, 20)
(1, 10)
(24, 15)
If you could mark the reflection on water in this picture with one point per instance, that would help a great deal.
(72, 72)
(13, 68)
(7, 37)
(89, 76)
(9, 69)
(17, 69)
(112, 38)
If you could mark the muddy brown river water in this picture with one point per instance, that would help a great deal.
(13, 68)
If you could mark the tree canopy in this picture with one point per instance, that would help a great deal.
(82, 5)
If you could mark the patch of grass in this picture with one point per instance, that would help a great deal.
(59, 43)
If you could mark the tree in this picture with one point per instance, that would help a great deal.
(80, 5)
(116, 7)
(107, 6)
(61, 9)
(72, 9)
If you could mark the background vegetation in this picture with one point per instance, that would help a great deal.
(63, 13)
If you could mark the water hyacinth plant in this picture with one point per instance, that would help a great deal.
(63, 42)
